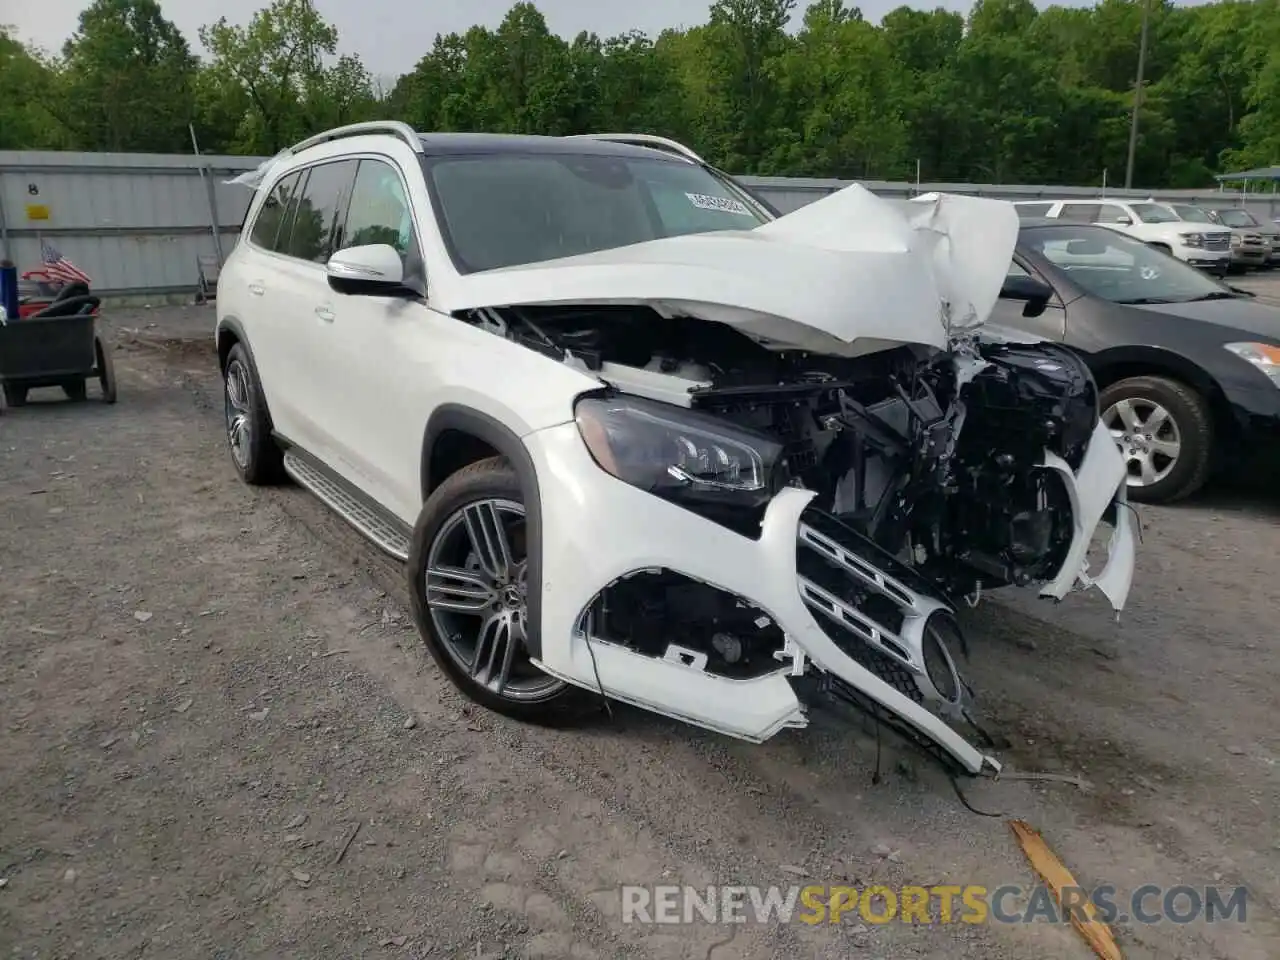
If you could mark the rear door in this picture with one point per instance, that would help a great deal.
(251, 291)
(305, 360)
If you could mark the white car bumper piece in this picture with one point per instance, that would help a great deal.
(616, 530)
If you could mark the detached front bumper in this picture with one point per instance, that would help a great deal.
(598, 530)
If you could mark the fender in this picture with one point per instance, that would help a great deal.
(451, 416)
(233, 326)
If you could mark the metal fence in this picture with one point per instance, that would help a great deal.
(138, 223)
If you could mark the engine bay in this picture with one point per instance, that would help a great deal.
(939, 468)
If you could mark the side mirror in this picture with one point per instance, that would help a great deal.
(372, 269)
(1026, 288)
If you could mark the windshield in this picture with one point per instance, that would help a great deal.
(1192, 214)
(1237, 218)
(1114, 267)
(1154, 213)
(501, 210)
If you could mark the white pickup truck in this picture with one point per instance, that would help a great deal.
(1201, 245)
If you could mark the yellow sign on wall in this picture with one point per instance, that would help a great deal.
(37, 211)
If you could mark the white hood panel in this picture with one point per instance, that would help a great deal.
(848, 274)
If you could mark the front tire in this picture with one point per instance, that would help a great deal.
(468, 565)
(254, 452)
(1165, 433)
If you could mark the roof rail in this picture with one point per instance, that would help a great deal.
(394, 128)
(643, 140)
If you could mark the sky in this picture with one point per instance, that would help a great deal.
(391, 35)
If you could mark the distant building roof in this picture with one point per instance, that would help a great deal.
(1261, 173)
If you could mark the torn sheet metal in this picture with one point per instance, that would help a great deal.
(1100, 480)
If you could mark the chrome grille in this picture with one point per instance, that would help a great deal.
(1217, 241)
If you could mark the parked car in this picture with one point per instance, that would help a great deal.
(1209, 249)
(633, 436)
(1188, 368)
(1250, 247)
(1248, 226)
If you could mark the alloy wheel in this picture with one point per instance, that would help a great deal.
(1148, 438)
(239, 419)
(477, 598)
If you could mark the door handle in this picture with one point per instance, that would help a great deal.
(257, 289)
(325, 314)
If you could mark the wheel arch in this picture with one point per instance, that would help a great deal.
(1112, 366)
(230, 332)
(457, 436)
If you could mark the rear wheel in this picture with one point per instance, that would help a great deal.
(254, 452)
(1165, 434)
(106, 370)
(14, 395)
(75, 390)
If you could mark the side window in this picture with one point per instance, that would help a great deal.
(1080, 212)
(266, 228)
(1016, 271)
(379, 210)
(1034, 209)
(321, 198)
(1110, 213)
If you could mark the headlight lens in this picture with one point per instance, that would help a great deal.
(1264, 356)
(679, 454)
(1193, 239)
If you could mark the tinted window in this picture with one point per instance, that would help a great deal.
(1110, 213)
(322, 196)
(1154, 213)
(266, 228)
(1237, 218)
(1033, 209)
(498, 211)
(1083, 212)
(379, 210)
(1110, 265)
(1192, 214)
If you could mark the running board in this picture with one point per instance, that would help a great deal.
(371, 521)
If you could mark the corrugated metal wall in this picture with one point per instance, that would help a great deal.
(137, 223)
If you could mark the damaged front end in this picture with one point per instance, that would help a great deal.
(851, 497)
(925, 477)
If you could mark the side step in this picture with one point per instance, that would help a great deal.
(385, 532)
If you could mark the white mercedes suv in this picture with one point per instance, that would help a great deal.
(633, 435)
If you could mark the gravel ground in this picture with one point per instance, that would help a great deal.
(205, 689)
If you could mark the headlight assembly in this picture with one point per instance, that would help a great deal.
(1262, 355)
(698, 461)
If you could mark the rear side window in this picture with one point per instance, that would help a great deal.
(1032, 210)
(266, 228)
(1080, 212)
(321, 199)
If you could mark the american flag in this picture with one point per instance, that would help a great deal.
(59, 267)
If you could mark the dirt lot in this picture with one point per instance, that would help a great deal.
(205, 689)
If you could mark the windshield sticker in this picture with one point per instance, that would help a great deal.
(704, 202)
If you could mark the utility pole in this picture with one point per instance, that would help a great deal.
(1137, 95)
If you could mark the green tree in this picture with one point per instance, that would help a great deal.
(126, 79)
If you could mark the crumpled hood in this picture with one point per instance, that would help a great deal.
(848, 274)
